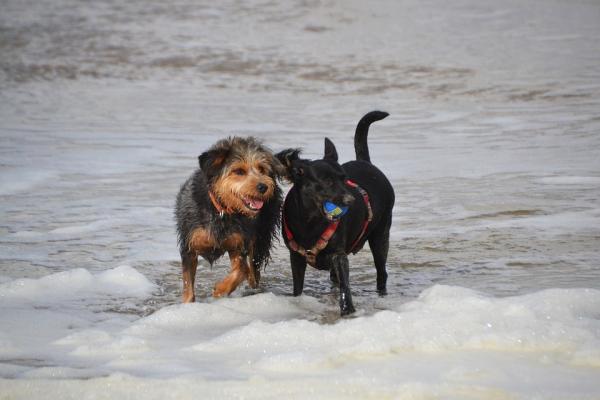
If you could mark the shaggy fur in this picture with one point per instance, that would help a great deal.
(325, 180)
(241, 218)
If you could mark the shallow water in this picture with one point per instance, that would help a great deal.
(492, 148)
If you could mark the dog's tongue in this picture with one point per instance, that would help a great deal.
(255, 203)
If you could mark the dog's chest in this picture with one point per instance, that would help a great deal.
(214, 240)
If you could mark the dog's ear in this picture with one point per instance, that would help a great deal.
(212, 161)
(330, 151)
(288, 168)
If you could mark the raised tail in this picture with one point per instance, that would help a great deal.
(362, 130)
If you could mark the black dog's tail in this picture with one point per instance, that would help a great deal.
(362, 130)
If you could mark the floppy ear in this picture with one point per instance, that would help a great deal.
(330, 151)
(286, 168)
(212, 161)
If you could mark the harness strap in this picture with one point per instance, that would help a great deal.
(311, 254)
(365, 196)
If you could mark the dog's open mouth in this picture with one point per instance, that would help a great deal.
(253, 204)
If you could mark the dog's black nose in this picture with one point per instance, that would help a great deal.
(261, 187)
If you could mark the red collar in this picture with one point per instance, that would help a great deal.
(311, 254)
(220, 209)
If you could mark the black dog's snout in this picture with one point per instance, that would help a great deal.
(261, 187)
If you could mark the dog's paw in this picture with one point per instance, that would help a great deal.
(249, 291)
(346, 309)
(219, 292)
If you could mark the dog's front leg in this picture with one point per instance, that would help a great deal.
(342, 269)
(298, 270)
(238, 273)
(253, 269)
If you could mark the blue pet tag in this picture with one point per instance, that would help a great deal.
(334, 211)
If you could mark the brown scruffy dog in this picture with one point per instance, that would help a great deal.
(230, 204)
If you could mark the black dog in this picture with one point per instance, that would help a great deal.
(315, 235)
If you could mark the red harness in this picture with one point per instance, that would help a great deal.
(311, 254)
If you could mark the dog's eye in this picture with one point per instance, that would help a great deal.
(299, 171)
(239, 171)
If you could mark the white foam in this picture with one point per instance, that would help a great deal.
(123, 280)
(448, 340)
(571, 180)
(443, 319)
(76, 230)
(555, 224)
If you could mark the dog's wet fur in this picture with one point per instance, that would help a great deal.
(242, 218)
(317, 181)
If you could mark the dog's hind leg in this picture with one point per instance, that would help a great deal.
(379, 242)
(253, 270)
(189, 263)
(298, 263)
(253, 276)
(342, 269)
(238, 273)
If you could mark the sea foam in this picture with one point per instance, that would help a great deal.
(447, 339)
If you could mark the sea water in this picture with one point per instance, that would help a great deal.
(491, 145)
